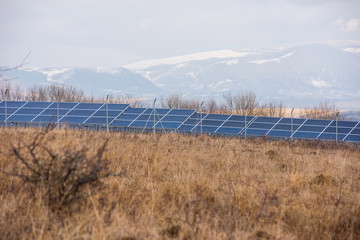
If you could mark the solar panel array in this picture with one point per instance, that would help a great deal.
(122, 116)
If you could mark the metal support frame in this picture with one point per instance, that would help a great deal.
(292, 124)
(154, 112)
(336, 126)
(201, 111)
(107, 114)
(6, 96)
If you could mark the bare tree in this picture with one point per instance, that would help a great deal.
(245, 101)
(323, 110)
(271, 109)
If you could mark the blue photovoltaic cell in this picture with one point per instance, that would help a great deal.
(54, 112)
(2, 117)
(14, 104)
(343, 124)
(70, 119)
(306, 128)
(331, 136)
(353, 138)
(295, 121)
(142, 124)
(8, 110)
(211, 123)
(185, 112)
(198, 115)
(21, 118)
(93, 106)
(135, 110)
(267, 120)
(339, 130)
(37, 105)
(162, 111)
(229, 130)
(82, 113)
(204, 129)
(186, 128)
(217, 116)
(29, 111)
(355, 131)
(120, 123)
(233, 124)
(240, 118)
(174, 118)
(128, 116)
(64, 105)
(277, 133)
(113, 106)
(45, 119)
(317, 122)
(261, 125)
(98, 120)
(171, 125)
(285, 127)
(147, 117)
(192, 121)
(310, 135)
(102, 113)
(254, 132)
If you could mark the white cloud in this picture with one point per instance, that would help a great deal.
(351, 25)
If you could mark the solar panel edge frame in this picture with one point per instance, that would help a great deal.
(137, 117)
(65, 115)
(247, 124)
(128, 106)
(94, 113)
(325, 129)
(162, 126)
(42, 111)
(223, 123)
(358, 124)
(202, 118)
(16, 111)
(273, 126)
(186, 120)
(292, 135)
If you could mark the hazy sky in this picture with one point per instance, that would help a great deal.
(114, 33)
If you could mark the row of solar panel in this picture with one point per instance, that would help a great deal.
(121, 115)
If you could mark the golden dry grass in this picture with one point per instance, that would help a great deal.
(193, 187)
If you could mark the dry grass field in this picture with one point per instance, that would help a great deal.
(175, 187)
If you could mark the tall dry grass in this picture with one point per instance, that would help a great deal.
(190, 187)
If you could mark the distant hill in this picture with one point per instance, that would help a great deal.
(298, 75)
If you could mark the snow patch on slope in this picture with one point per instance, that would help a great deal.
(186, 58)
(272, 59)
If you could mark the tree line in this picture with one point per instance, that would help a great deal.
(241, 103)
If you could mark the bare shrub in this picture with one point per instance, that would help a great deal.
(323, 110)
(271, 109)
(58, 176)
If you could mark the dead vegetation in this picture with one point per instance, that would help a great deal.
(178, 187)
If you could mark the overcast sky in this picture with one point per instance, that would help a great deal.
(112, 33)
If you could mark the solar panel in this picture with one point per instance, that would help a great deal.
(37, 105)
(279, 133)
(10, 104)
(91, 115)
(331, 136)
(308, 135)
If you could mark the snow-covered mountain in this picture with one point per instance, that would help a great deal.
(299, 75)
(94, 81)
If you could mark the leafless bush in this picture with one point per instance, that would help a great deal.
(58, 176)
(271, 109)
(323, 110)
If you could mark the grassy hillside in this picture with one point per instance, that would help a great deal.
(175, 187)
